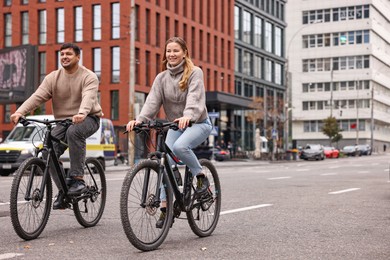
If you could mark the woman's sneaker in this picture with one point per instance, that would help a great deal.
(202, 183)
(161, 220)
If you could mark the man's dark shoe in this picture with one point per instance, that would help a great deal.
(77, 187)
(59, 202)
(202, 184)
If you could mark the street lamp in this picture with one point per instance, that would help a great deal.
(288, 97)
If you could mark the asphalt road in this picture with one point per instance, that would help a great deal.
(332, 209)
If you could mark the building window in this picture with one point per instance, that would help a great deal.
(268, 37)
(42, 66)
(115, 64)
(278, 73)
(24, 2)
(60, 25)
(42, 26)
(158, 63)
(114, 95)
(7, 2)
(278, 41)
(147, 27)
(25, 28)
(97, 23)
(97, 62)
(7, 113)
(147, 68)
(237, 22)
(167, 30)
(247, 22)
(115, 20)
(257, 67)
(158, 28)
(137, 71)
(78, 24)
(258, 34)
(8, 30)
(247, 63)
(268, 70)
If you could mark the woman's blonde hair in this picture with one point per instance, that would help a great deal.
(188, 64)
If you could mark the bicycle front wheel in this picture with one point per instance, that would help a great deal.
(138, 207)
(29, 211)
(204, 216)
(89, 209)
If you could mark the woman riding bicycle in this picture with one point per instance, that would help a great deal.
(179, 88)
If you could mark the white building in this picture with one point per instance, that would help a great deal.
(344, 44)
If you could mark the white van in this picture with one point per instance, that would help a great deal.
(21, 142)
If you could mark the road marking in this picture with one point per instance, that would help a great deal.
(244, 209)
(115, 179)
(334, 167)
(343, 191)
(363, 172)
(10, 255)
(279, 178)
(327, 174)
(4, 204)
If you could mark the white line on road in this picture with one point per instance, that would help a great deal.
(334, 167)
(302, 170)
(279, 178)
(115, 179)
(9, 255)
(327, 174)
(343, 191)
(244, 209)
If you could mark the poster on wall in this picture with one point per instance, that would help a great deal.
(18, 73)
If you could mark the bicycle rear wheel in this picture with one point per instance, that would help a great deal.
(138, 219)
(89, 209)
(29, 217)
(204, 216)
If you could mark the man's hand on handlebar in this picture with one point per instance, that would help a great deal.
(130, 125)
(15, 117)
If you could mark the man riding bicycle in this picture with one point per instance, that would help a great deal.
(73, 90)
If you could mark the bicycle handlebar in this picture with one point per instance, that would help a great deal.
(26, 121)
(155, 124)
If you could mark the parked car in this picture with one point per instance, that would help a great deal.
(350, 150)
(221, 154)
(203, 151)
(331, 152)
(313, 151)
(364, 149)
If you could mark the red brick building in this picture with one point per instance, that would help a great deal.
(102, 30)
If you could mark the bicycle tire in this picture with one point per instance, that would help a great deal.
(29, 218)
(89, 210)
(139, 222)
(204, 216)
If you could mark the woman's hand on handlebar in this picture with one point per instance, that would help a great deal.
(182, 122)
(130, 125)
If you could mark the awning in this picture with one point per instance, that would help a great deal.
(223, 101)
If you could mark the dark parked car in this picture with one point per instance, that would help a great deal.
(364, 149)
(350, 150)
(313, 151)
(203, 151)
(221, 154)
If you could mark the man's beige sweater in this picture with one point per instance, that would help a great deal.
(71, 94)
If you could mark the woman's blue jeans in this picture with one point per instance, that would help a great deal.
(181, 142)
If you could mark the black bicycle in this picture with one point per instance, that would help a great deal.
(140, 195)
(31, 192)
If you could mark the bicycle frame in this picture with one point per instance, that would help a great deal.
(161, 155)
(59, 178)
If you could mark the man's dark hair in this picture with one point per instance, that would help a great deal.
(73, 46)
